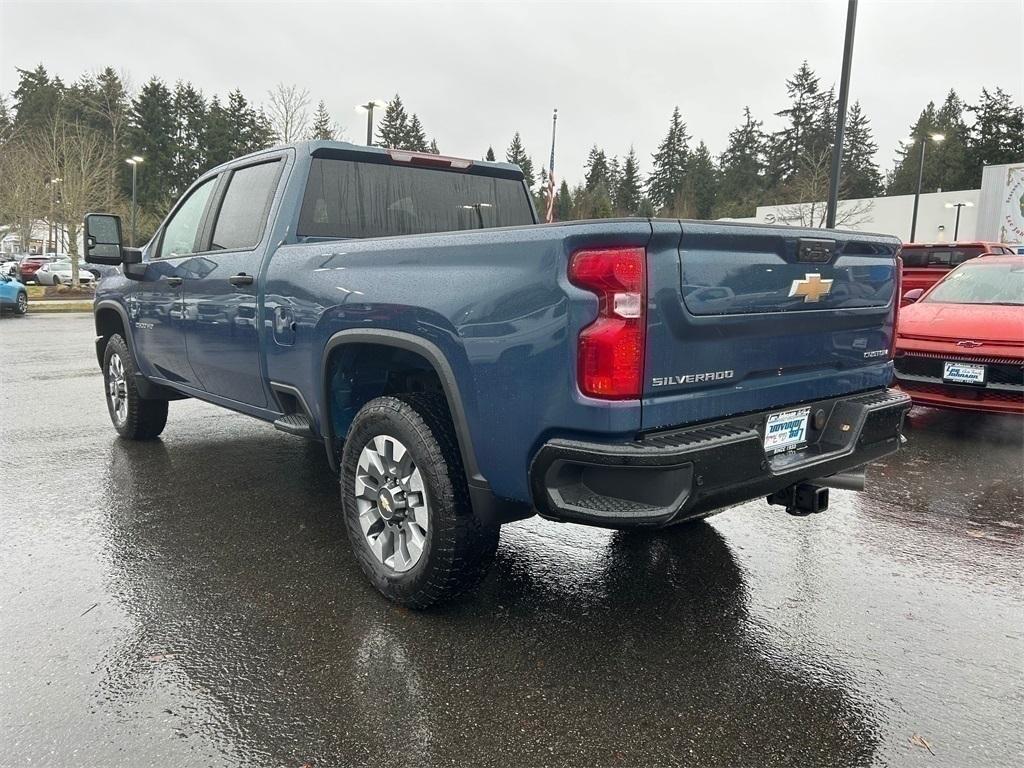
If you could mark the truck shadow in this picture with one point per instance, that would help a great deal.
(582, 646)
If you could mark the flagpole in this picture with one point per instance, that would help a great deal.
(551, 171)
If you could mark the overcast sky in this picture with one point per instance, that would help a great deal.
(476, 72)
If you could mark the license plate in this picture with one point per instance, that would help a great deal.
(786, 429)
(963, 373)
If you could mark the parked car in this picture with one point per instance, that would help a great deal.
(924, 264)
(58, 272)
(961, 343)
(28, 266)
(13, 295)
(9, 264)
(465, 368)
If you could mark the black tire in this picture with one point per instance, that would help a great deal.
(140, 419)
(56, 281)
(459, 548)
(21, 303)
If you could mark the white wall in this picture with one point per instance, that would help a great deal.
(892, 216)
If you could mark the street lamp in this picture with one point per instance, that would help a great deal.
(368, 107)
(958, 206)
(937, 138)
(133, 161)
(51, 225)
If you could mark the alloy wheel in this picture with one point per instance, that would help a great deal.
(391, 498)
(117, 388)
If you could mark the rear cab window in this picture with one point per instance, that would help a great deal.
(938, 256)
(356, 199)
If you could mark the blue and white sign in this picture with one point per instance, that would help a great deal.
(963, 373)
(786, 429)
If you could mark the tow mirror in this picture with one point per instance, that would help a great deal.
(912, 295)
(103, 239)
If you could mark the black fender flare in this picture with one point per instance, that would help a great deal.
(433, 355)
(125, 323)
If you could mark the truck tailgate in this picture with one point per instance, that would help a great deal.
(748, 318)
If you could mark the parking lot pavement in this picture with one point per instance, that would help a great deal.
(192, 601)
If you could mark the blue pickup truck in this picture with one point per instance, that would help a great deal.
(466, 367)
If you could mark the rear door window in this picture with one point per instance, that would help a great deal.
(245, 208)
(345, 198)
(938, 257)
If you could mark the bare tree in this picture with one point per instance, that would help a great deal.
(809, 188)
(82, 159)
(22, 193)
(289, 112)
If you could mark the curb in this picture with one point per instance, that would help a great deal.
(44, 307)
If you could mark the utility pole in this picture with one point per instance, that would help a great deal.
(133, 161)
(550, 215)
(368, 107)
(844, 97)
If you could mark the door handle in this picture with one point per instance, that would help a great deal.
(175, 281)
(241, 279)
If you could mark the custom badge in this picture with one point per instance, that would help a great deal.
(812, 288)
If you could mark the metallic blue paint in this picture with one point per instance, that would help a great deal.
(497, 305)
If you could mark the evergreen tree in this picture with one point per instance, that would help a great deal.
(563, 203)
(598, 170)
(489, 157)
(432, 149)
(742, 177)
(415, 139)
(946, 165)
(152, 135)
(593, 203)
(628, 191)
(394, 126)
(189, 132)
(701, 184)
(516, 154)
(37, 99)
(809, 129)
(322, 129)
(860, 175)
(997, 136)
(218, 141)
(666, 180)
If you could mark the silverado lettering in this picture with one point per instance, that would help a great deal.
(463, 367)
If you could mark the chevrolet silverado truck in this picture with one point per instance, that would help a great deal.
(466, 367)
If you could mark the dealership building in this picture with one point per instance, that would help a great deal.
(993, 213)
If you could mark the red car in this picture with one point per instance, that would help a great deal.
(960, 344)
(29, 265)
(924, 264)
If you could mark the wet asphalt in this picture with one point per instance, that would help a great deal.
(193, 602)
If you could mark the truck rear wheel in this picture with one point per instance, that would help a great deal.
(406, 503)
(133, 417)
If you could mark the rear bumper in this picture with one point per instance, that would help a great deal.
(962, 398)
(667, 477)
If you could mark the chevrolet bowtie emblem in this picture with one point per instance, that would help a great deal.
(812, 288)
(969, 344)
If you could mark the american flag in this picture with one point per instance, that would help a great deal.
(550, 216)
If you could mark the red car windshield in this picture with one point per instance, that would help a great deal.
(982, 283)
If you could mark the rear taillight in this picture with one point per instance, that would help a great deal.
(611, 349)
(897, 301)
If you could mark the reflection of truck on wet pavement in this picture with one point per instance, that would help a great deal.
(465, 368)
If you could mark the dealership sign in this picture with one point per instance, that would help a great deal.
(1011, 222)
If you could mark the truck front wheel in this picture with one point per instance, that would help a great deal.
(406, 503)
(134, 418)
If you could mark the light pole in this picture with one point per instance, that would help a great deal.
(937, 138)
(958, 206)
(844, 95)
(51, 228)
(133, 161)
(368, 107)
